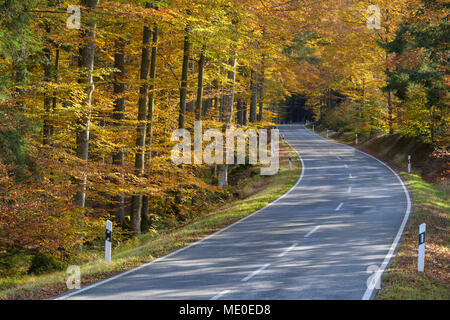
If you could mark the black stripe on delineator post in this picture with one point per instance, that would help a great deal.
(108, 235)
(421, 238)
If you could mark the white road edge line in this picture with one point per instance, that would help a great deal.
(312, 231)
(254, 273)
(349, 190)
(224, 292)
(350, 176)
(369, 291)
(287, 250)
(339, 206)
(345, 166)
(78, 291)
(368, 294)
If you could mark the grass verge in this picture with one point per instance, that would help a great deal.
(402, 281)
(255, 192)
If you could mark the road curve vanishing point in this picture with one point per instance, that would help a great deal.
(323, 239)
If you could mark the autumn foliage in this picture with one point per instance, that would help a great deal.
(86, 115)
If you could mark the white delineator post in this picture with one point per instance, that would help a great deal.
(290, 162)
(108, 241)
(327, 133)
(421, 256)
(356, 139)
(313, 126)
(409, 164)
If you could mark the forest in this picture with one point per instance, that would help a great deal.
(91, 90)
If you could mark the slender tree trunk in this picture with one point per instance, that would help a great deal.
(19, 67)
(118, 158)
(47, 98)
(389, 94)
(240, 111)
(261, 93)
(190, 103)
(151, 106)
(207, 103)
(222, 104)
(217, 112)
(184, 79)
(390, 112)
(230, 94)
(361, 108)
(223, 171)
(87, 57)
(244, 113)
(217, 108)
(198, 103)
(183, 91)
(215, 100)
(254, 102)
(136, 200)
(56, 79)
(240, 103)
(433, 124)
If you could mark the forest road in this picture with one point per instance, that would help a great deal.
(337, 228)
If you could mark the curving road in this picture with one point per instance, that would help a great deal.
(345, 214)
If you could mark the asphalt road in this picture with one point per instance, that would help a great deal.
(343, 217)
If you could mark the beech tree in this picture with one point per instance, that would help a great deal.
(86, 63)
(90, 112)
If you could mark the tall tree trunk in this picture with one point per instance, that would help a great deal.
(56, 80)
(240, 111)
(389, 94)
(215, 100)
(136, 200)
(201, 68)
(118, 158)
(47, 98)
(240, 103)
(151, 106)
(223, 171)
(433, 124)
(254, 102)
(244, 113)
(151, 96)
(190, 103)
(19, 67)
(390, 112)
(207, 103)
(230, 93)
(222, 104)
(261, 93)
(87, 57)
(184, 79)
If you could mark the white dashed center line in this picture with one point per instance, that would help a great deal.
(287, 250)
(312, 231)
(339, 206)
(254, 273)
(220, 295)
